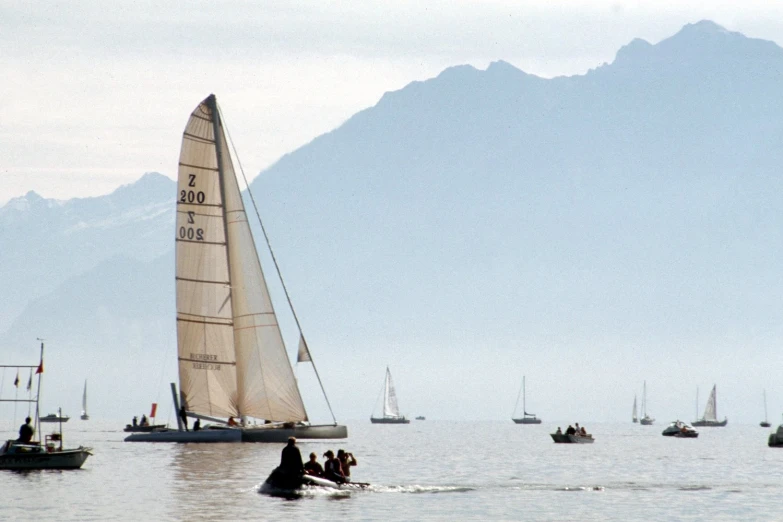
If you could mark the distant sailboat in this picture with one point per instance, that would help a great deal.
(634, 415)
(710, 417)
(527, 418)
(765, 423)
(85, 415)
(646, 420)
(391, 411)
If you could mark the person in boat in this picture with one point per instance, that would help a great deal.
(183, 415)
(570, 430)
(144, 421)
(26, 432)
(291, 459)
(313, 467)
(332, 469)
(135, 421)
(232, 422)
(346, 461)
(197, 425)
(583, 431)
(559, 431)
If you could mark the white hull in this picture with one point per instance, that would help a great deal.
(281, 434)
(36, 457)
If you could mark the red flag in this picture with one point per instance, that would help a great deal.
(154, 409)
(40, 368)
(16, 381)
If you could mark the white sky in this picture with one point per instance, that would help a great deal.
(95, 93)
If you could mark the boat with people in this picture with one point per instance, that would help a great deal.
(526, 418)
(646, 420)
(572, 435)
(233, 362)
(145, 425)
(710, 417)
(391, 411)
(54, 417)
(85, 415)
(30, 453)
(681, 430)
(421, 417)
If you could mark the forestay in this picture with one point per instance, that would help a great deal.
(232, 360)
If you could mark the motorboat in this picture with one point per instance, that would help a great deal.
(681, 430)
(280, 483)
(776, 439)
(566, 438)
(53, 417)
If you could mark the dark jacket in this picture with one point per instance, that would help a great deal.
(291, 460)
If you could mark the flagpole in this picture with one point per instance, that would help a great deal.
(38, 396)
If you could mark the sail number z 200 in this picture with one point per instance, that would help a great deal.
(192, 196)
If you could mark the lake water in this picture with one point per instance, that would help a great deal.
(428, 470)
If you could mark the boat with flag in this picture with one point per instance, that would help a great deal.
(233, 362)
(146, 424)
(27, 452)
(391, 411)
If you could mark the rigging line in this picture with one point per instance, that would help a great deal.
(516, 404)
(277, 268)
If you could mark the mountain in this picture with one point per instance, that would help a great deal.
(603, 228)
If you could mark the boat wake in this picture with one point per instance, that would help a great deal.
(347, 490)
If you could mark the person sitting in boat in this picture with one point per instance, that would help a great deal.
(313, 467)
(197, 425)
(583, 431)
(291, 459)
(232, 422)
(144, 421)
(559, 431)
(570, 430)
(346, 461)
(26, 432)
(332, 468)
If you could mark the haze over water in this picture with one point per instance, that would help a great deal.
(428, 470)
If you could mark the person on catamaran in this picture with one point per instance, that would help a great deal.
(291, 459)
(144, 421)
(313, 467)
(26, 432)
(346, 461)
(135, 421)
(197, 425)
(232, 422)
(332, 468)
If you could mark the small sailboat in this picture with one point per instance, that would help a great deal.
(765, 423)
(646, 420)
(526, 418)
(233, 363)
(36, 454)
(710, 417)
(634, 415)
(391, 411)
(85, 415)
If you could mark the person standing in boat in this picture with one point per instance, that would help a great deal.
(291, 459)
(183, 415)
(346, 461)
(313, 467)
(26, 432)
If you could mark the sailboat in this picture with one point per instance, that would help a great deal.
(35, 454)
(765, 423)
(391, 412)
(646, 420)
(526, 418)
(634, 416)
(233, 364)
(84, 416)
(710, 417)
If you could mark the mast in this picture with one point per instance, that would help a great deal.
(524, 407)
(697, 403)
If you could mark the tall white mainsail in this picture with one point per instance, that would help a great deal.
(84, 399)
(390, 408)
(634, 416)
(710, 411)
(232, 360)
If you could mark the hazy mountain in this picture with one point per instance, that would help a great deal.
(591, 231)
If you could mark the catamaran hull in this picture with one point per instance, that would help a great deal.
(281, 434)
(563, 438)
(710, 424)
(143, 429)
(226, 435)
(389, 420)
(66, 459)
(527, 421)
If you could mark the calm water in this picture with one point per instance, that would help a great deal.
(428, 470)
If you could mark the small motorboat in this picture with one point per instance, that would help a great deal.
(53, 417)
(421, 417)
(681, 430)
(776, 439)
(282, 483)
(566, 438)
(130, 428)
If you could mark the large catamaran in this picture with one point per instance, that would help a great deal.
(233, 364)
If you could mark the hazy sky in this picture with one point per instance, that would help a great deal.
(95, 93)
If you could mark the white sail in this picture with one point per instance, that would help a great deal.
(710, 411)
(84, 400)
(390, 408)
(634, 415)
(232, 360)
